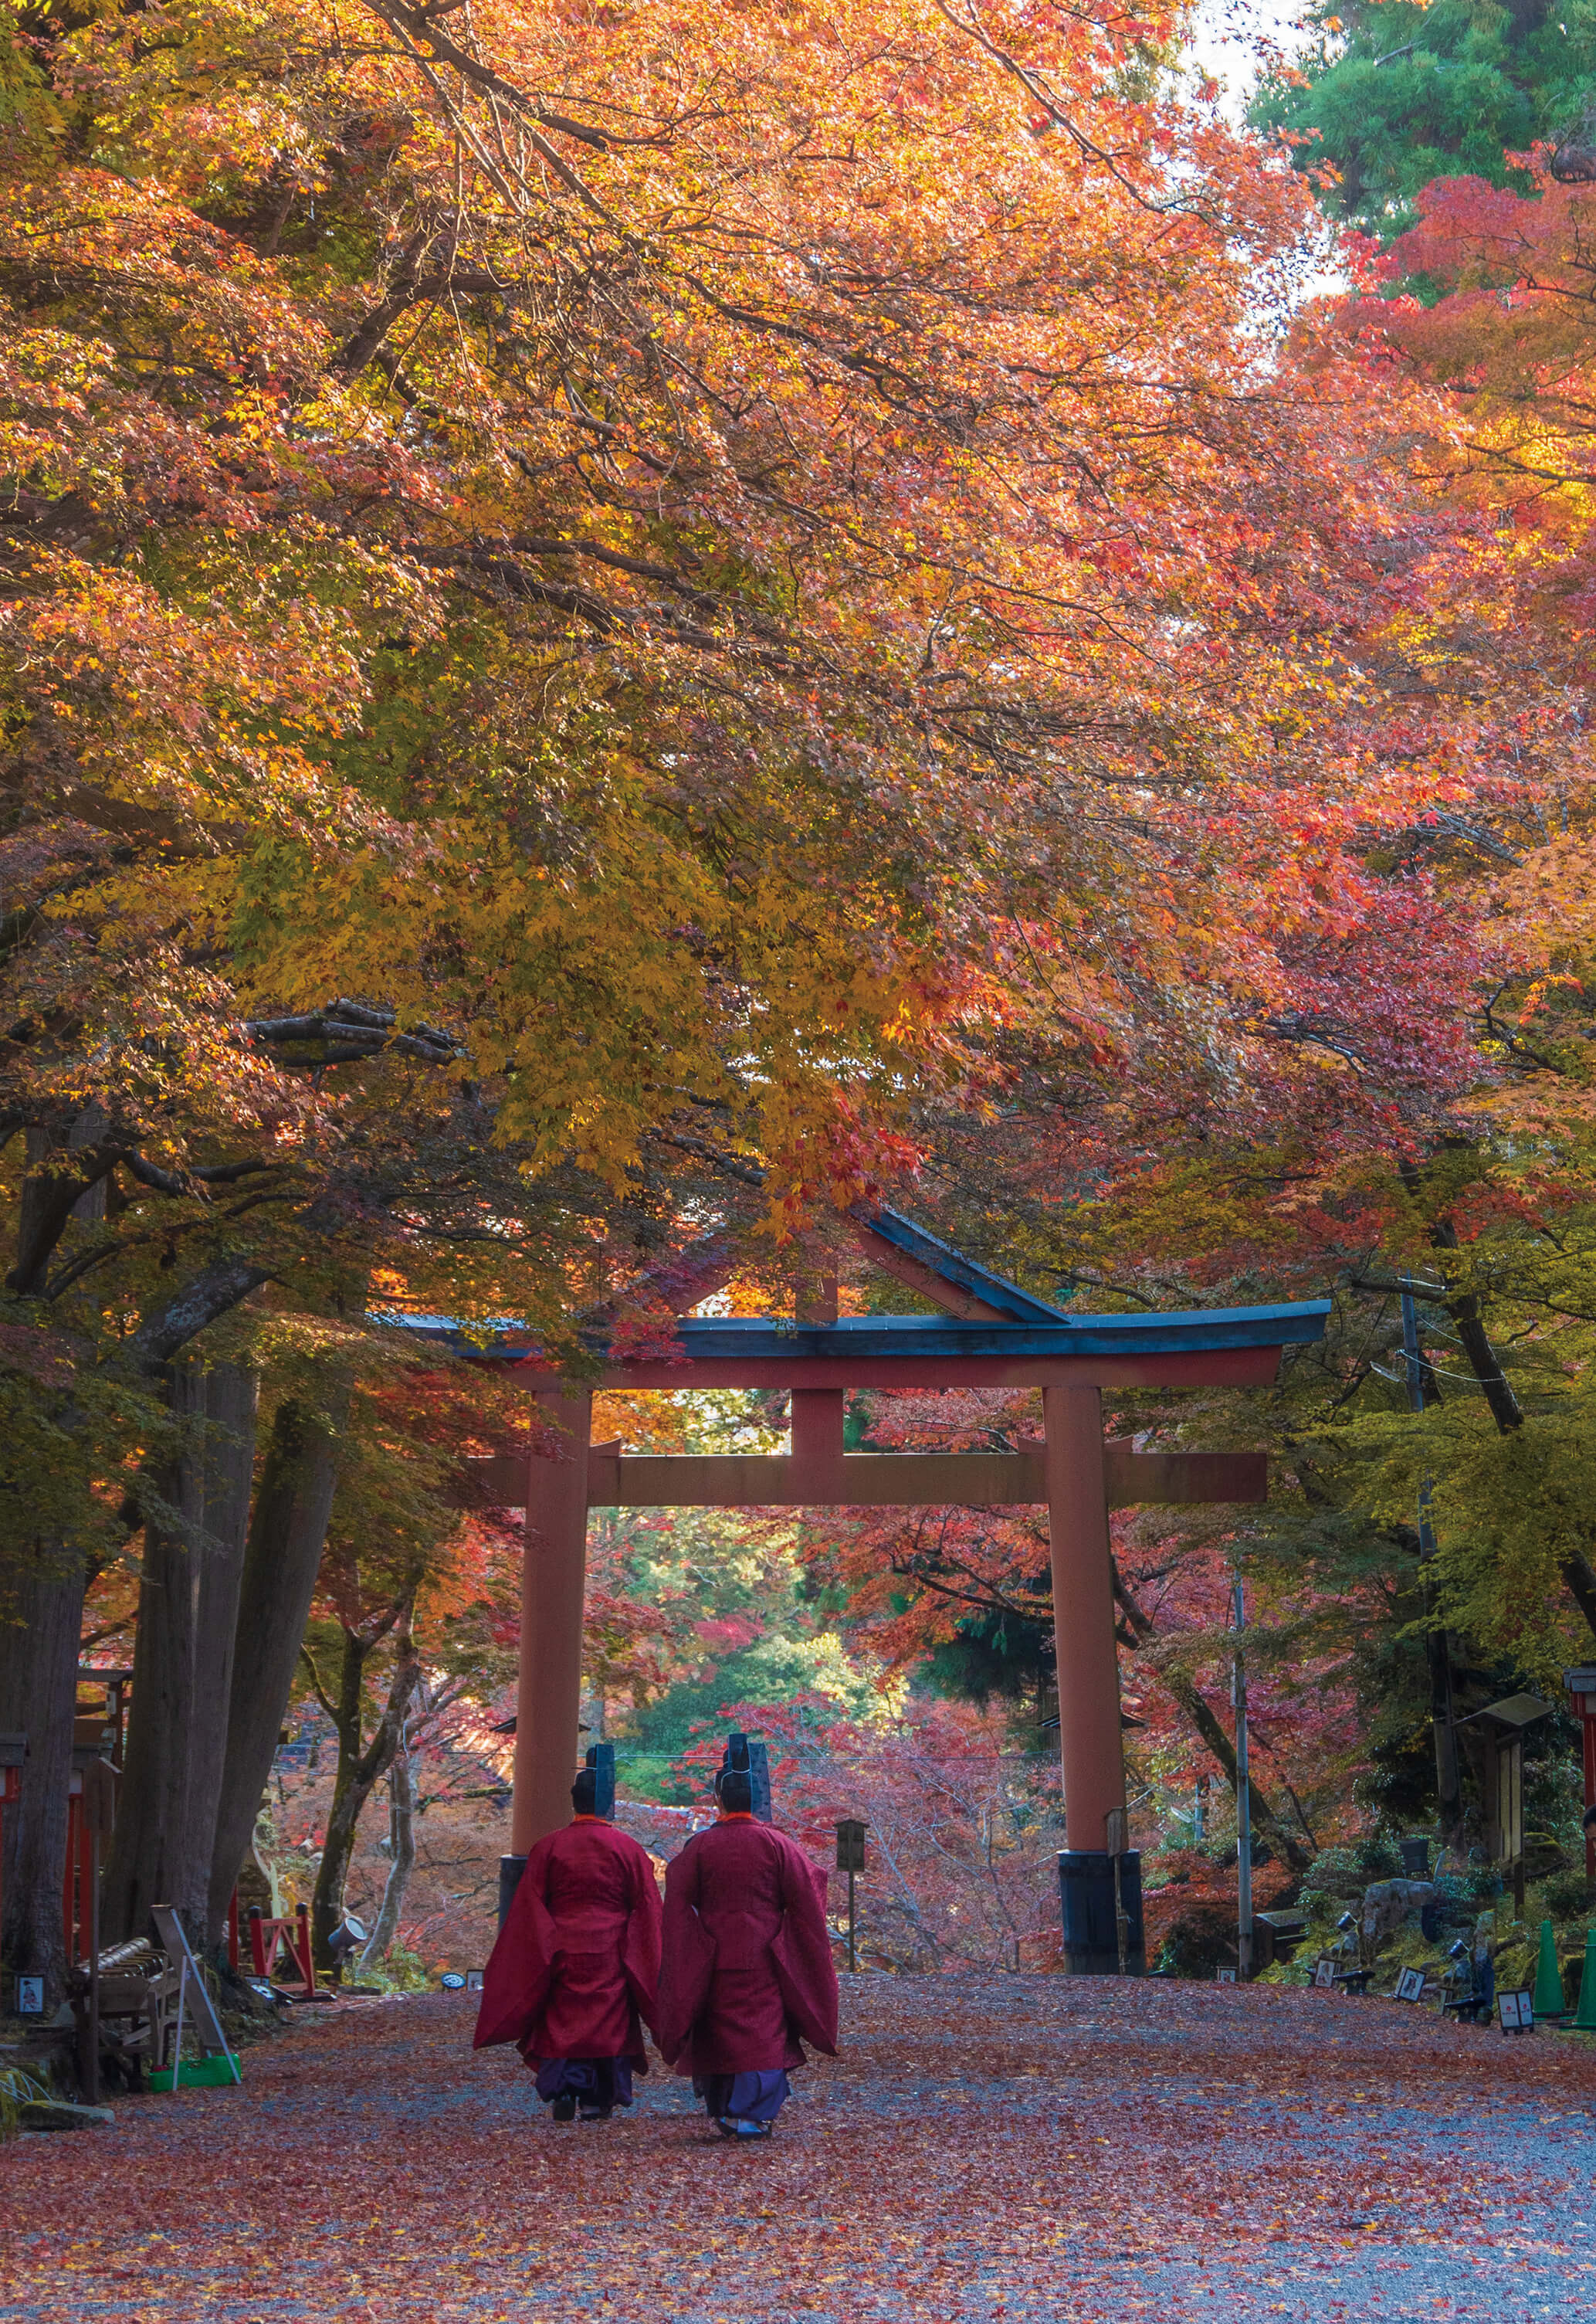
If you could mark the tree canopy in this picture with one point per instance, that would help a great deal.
(622, 626)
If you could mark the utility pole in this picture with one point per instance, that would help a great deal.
(1448, 1791)
(1243, 1804)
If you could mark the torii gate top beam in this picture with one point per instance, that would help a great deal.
(1188, 1348)
(993, 1334)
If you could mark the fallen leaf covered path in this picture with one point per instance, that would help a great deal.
(1023, 2150)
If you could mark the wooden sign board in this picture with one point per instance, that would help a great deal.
(1515, 2012)
(192, 1993)
(1410, 1985)
(1225, 1977)
(850, 1844)
(1324, 1974)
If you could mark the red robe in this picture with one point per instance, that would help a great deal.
(748, 1964)
(577, 1961)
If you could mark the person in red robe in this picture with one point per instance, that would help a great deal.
(747, 1976)
(573, 1973)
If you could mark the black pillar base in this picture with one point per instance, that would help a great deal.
(1091, 1937)
(510, 1869)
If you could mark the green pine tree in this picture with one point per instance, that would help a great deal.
(1395, 94)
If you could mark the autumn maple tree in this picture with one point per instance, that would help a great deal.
(622, 625)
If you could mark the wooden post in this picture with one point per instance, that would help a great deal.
(817, 1414)
(1087, 1661)
(302, 1948)
(99, 1815)
(554, 1580)
(69, 1873)
(817, 1422)
(91, 2079)
(1244, 1802)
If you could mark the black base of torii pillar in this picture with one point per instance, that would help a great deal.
(1101, 1901)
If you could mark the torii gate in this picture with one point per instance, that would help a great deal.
(993, 1336)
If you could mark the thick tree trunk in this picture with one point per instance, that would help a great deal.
(359, 1770)
(145, 1866)
(288, 1527)
(183, 1663)
(42, 1617)
(230, 1464)
(401, 1863)
(40, 1624)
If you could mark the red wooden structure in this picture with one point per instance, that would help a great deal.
(992, 1334)
(271, 1937)
(91, 1815)
(14, 1750)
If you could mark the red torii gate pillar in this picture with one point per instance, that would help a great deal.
(554, 1588)
(1085, 1656)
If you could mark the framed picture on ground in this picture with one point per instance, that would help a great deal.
(1410, 1985)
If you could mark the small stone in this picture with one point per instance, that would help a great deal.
(59, 2114)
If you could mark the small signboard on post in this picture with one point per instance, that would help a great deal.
(850, 1858)
(1410, 1985)
(1324, 1974)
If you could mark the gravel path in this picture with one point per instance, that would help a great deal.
(1032, 2150)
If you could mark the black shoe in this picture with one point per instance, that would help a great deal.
(597, 2113)
(563, 2108)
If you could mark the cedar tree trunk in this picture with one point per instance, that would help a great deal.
(183, 1663)
(288, 1527)
(41, 1624)
(230, 1407)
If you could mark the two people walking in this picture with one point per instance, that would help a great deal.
(733, 1976)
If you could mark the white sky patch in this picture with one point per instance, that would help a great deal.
(1230, 38)
(1230, 41)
